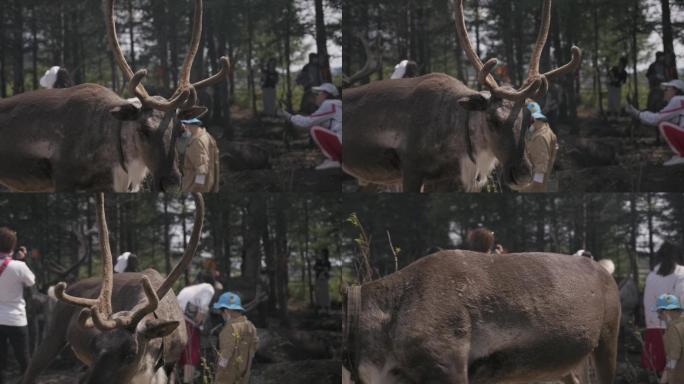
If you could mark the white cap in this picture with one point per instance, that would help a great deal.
(48, 80)
(678, 84)
(328, 88)
(399, 70)
(122, 262)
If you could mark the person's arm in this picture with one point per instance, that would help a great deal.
(226, 351)
(674, 107)
(539, 157)
(326, 112)
(673, 351)
(198, 155)
(27, 277)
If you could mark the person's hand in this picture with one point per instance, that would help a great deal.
(665, 378)
(284, 114)
(632, 111)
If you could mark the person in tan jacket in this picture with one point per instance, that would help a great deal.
(670, 312)
(201, 160)
(541, 147)
(238, 342)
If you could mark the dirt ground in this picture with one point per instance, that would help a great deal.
(614, 156)
(268, 155)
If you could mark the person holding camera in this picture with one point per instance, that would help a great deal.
(15, 275)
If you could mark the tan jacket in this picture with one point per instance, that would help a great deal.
(541, 147)
(674, 349)
(237, 344)
(201, 158)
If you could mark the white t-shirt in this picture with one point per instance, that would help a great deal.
(657, 285)
(16, 276)
(199, 295)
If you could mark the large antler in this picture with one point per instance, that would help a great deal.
(186, 93)
(100, 309)
(368, 68)
(536, 83)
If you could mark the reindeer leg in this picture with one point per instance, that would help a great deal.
(605, 356)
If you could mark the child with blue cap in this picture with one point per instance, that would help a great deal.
(541, 146)
(201, 171)
(238, 342)
(669, 311)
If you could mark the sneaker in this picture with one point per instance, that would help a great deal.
(328, 164)
(675, 160)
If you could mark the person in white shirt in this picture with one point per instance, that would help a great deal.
(669, 120)
(14, 277)
(194, 300)
(325, 124)
(665, 278)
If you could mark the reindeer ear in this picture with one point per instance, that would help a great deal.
(192, 112)
(158, 328)
(126, 112)
(477, 102)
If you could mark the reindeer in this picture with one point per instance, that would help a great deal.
(88, 138)
(128, 330)
(433, 127)
(468, 317)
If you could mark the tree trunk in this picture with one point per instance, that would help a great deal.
(3, 80)
(34, 48)
(668, 45)
(131, 36)
(322, 43)
(167, 236)
(635, 55)
(282, 254)
(597, 69)
(250, 57)
(18, 49)
(288, 55)
(634, 228)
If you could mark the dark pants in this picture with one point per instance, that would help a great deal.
(18, 338)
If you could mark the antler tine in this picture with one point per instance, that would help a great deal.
(470, 52)
(221, 75)
(369, 67)
(541, 41)
(116, 48)
(194, 45)
(129, 319)
(150, 101)
(103, 303)
(190, 251)
(569, 67)
(65, 297)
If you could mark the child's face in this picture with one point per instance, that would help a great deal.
(661, 316)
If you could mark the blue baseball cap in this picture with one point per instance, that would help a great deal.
(231, 301)
(194, 121)
(667, 302)
(536, 111)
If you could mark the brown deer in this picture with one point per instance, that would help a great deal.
(128, 328)
(435, 128)
(468, 317)
(88, 138)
